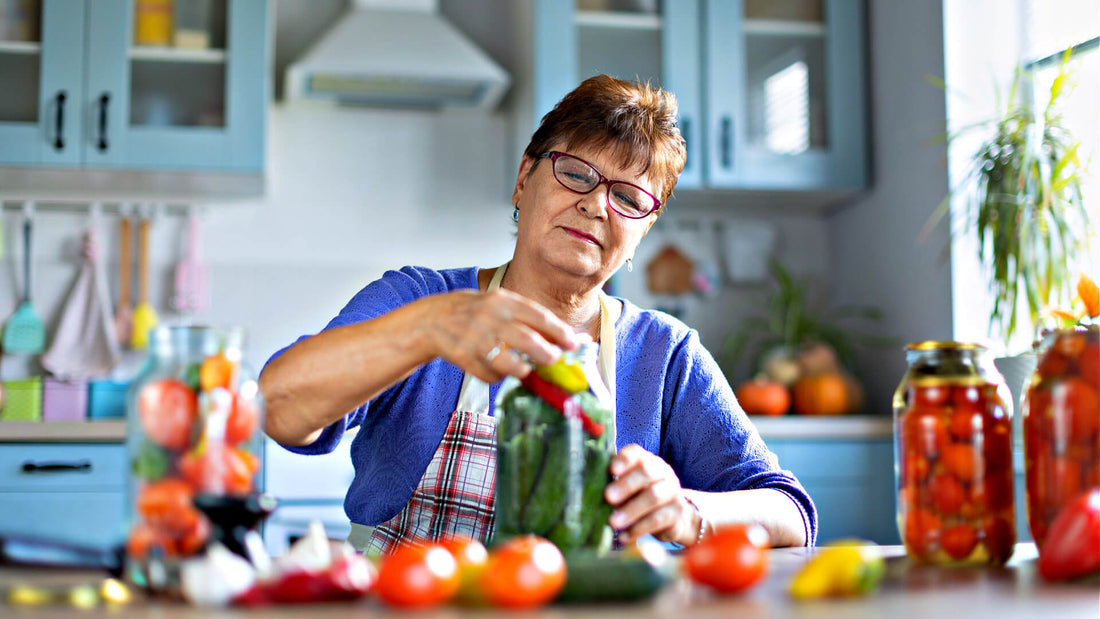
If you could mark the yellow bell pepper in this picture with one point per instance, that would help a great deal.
(565, 373)
(844, 568)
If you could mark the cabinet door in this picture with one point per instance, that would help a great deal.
(575, 40)
(41, 61)
(785, 94)
(156, 101)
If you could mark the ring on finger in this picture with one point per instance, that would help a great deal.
(494, 352)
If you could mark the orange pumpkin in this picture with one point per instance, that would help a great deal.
(822, 394)
(763, 397)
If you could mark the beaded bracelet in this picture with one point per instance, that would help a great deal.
(702, 523)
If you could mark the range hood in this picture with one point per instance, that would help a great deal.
(396, 53)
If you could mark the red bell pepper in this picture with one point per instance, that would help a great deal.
(562, 401)
(1072, 546)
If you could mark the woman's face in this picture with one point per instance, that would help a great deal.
(577, 234)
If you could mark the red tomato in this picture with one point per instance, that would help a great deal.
(923, 432)
(525, 571)
(243, 419)
(923, 531)
(959, 541)
(167, 504)
(965, 422)
(1072, 548)
(962, 395)
(930, 395)
(194, 539)
(998, 447)
(144, 537)
(733, 559)
(168, 409)
(224, 470)
(1052, 364)
(947, 494)
(914, 468)
(1088, 364)
(1080, 407)
(216, 371)
(472, 559)
(962, 461)
(1000, 539)
(418, 576)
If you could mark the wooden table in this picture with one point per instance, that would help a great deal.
(909, 591)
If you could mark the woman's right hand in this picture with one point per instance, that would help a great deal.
(495, 334)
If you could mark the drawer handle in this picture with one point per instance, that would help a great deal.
(59, 124)
(56, 467)
(726, 142)
(104, 99)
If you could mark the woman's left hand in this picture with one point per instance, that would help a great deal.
(647, 498)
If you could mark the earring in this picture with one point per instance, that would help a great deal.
(629, 265)
(515, 214)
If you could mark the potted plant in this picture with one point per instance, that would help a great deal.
(1021, 197)
(801, 344)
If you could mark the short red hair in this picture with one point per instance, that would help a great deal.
(635, 121)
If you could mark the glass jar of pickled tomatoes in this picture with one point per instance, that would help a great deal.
(1061, 421)
(953, 456)
(193, 440)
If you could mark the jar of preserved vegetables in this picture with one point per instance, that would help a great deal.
(555, 440)
(953, 456)
(193, 441)
(1061, 422)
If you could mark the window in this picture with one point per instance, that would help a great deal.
(985, 41)
(787, 109)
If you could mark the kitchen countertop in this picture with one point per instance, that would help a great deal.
(909, 590)
(780, 427)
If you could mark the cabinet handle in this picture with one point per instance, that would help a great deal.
(685, 131)
(59, 125)
(726, 142)
(104, 99)
(56, 467)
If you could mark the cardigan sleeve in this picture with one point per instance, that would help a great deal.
(709, 440)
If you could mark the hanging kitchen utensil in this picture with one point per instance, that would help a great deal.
(85, 344)
(124, 311)
(192, 292)
(145, 317)
(24, 332)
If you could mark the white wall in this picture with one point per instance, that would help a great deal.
(350, 193)
(877, 257)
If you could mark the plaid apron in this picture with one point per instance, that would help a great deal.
(455, 496)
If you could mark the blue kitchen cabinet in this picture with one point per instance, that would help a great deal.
(771, 95)
(83, 95)
(851, 481)
(65, 492)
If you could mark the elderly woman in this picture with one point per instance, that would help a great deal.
(415, 358)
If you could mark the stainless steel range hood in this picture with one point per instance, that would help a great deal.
(396, 53)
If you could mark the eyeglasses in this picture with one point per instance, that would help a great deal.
(579, 176)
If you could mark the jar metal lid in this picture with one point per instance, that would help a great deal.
(944, 345)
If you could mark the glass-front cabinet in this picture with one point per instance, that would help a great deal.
(771, 92)
(133, 84)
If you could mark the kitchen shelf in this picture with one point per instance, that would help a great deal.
(63, 431)
(824, 427)
(176, 54)
(619, 20)
(20, 47)
(778, 27)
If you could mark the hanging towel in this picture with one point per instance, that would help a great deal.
(85, 344)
